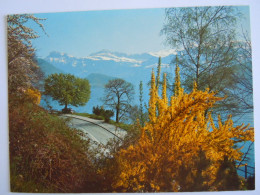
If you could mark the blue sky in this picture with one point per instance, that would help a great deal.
(82, 33)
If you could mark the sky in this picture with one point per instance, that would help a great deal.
(129, 31)
(82, 33)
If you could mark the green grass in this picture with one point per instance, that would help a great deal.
(93, 116)
(25, 183)
(121, 125)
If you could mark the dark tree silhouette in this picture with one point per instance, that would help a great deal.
(118, 96)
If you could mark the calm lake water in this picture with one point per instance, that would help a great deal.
(247, 119)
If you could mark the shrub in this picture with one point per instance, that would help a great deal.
(100, 111)
(180, 148)
(34, 94)
(46, 153)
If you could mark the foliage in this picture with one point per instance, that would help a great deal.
(250, 183)
(118, 96)
(35, 95)
(141, 117)
(67, 89)
(124, 126)
(227, 177)
(135, 113)
(100, 111)
(180, 145)
(45, 153)
(158, 72)
(23, 72)
(206, 40)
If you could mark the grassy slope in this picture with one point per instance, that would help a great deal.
(45, 154)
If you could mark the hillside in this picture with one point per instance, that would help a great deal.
(99, 80)
(47, 68)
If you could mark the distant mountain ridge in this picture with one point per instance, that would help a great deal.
(47, 68)
(133, 68)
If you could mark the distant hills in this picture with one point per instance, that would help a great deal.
(99, 80)
(47, 68)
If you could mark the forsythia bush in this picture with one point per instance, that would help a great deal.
(180, 144)
(34, 94)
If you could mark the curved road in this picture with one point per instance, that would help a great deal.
(96, 130)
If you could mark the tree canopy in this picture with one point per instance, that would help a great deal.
(23, 71)
(67, 89)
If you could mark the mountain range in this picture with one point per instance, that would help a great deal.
(132, 68)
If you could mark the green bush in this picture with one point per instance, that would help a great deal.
(90, 116)
(100, 111)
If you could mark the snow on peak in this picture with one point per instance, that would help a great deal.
(163, 53)
(136, 60)
(108, 55)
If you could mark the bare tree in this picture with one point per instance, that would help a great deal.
(243, 92)
(118, 96)
(205, 38)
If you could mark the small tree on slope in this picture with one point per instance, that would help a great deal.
(67, 89)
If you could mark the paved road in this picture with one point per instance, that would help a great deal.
(96, 130)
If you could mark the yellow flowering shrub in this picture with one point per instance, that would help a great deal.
(179, 136)
(34, 94)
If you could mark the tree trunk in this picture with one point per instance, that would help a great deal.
(117, 115)
(117, 109)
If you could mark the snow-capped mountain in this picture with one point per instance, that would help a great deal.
(106, 55)
(130, 67)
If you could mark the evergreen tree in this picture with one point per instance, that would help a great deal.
(158, 72)
(141, 103)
